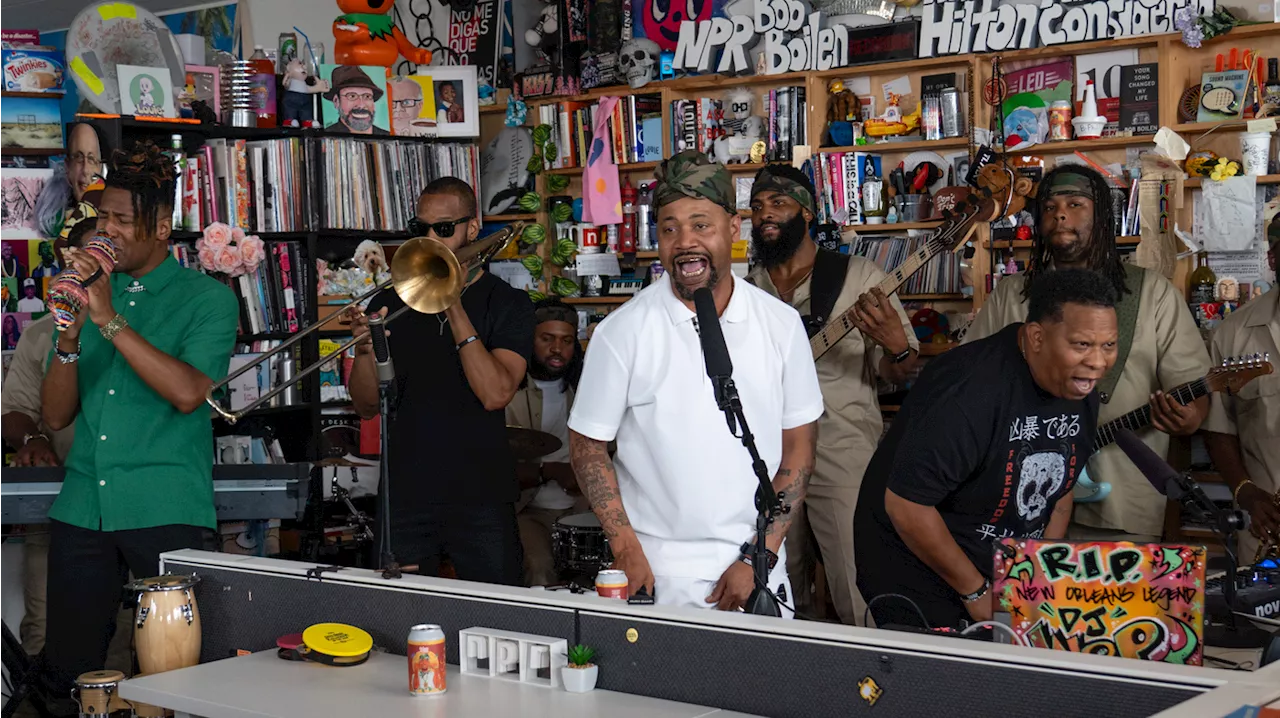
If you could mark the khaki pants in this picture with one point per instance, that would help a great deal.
(535, 535)
(830, 512)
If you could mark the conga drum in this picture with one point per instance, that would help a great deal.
(95, 693)
(166, 627)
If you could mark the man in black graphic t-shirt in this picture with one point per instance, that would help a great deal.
(988, 445)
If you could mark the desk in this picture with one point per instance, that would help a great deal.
(262, 685)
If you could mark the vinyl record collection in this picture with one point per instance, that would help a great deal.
(940, 276)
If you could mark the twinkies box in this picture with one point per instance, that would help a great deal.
(33, 68)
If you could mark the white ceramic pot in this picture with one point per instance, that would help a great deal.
(579, 680)
(1089, 128)
(1255, 150)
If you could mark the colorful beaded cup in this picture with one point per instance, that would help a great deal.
(67, 293)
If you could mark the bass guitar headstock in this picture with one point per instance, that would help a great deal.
(1000, 192)
(1236, 372)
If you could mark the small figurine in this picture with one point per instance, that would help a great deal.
(546, 27)
(638, 61)
(747, 129)
(488, 95)
(892, 122)
(366, 35)
(297, 108)
(667, 65)
(842, 104)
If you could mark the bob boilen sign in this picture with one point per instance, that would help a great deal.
(793, 38)
(957, 27)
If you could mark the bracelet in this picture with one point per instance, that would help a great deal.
(111, 329)
(899, 358)
(28, 438)
(1235, 495)
(66, 357)
(982, 591)
(468, 340)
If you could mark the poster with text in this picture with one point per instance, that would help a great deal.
(1111, 598)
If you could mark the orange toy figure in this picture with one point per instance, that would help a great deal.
(366, 35)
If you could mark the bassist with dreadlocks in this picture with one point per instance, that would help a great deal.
(1159, 345)
(132, 373)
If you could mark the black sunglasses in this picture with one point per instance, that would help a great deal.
(418, 228)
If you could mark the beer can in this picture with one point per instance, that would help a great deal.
(1060, 121)
(426, 660)
(612, 583)
(588, 239)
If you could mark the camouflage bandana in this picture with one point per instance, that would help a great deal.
(768, 182)
(1071, 183)
(556, 313)
(691, 174)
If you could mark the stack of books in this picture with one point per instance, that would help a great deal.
(635, 128)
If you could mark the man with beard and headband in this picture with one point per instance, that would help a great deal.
(549, 489)
(822, 284)
(1159, 347)
(677, 503)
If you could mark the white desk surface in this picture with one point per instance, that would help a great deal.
(263, 685)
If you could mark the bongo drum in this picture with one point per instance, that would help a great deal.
(166, 627)
(95, 693)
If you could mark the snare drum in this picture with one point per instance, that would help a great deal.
(95, 693)
(578, 544)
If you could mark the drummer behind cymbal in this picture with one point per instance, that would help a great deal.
(132, 373)
(549, 489)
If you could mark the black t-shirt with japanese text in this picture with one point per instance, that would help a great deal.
(979, 440)
(445, 446)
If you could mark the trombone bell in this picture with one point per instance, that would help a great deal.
(426, 275)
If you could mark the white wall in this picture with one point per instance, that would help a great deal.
(264, 20)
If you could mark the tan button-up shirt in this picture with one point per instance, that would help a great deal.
(1167, 351)
(851, 425)
(26, 375)
(1253, 414)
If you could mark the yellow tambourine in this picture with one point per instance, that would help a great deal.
(335, 644)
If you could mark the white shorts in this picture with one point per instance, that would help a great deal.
(693, 592)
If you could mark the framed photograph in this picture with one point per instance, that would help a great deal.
(31, 123)
(456, 98)
(202, 84)
(413, 105)
(146, 91)
(19, 189)
(357, 99)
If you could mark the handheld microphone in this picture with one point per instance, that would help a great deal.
(714, 351)
(381, 353)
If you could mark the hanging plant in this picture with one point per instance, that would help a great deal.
(530, 202)
(534, 234)
(535, 295)
(562, 252)
(533, 263)
(564, 287)
(562, 212)
(557, 183)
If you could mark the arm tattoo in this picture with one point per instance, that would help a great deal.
(793, 484)
(599, 482)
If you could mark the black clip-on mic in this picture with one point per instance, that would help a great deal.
(386, 378)
(768, 503)
(1182, 488)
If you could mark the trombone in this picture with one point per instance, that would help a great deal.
(425, 274)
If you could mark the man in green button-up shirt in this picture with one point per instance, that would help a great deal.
(139, 475)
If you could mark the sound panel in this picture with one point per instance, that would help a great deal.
(249, 610)
(787, 677)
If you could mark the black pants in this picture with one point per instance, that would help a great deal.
(87, 573)
(482, 541)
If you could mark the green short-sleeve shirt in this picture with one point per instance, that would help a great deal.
(138, 462)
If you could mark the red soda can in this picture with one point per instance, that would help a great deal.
(612, 583)
(426, 660)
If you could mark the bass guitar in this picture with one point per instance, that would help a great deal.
(1001, 192)
(1231, 376)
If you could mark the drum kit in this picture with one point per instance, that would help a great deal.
(166, 636)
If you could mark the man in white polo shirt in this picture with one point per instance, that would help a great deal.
(677, 501)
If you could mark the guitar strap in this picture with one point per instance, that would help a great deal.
(1127, 319)
(829, 272)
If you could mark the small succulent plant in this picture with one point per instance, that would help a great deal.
(580, 656)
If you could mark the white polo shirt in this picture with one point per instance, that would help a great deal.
(686, 482)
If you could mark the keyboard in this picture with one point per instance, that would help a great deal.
(240, 492)
(1257, 592)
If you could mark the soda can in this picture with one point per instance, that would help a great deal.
(286, 50)
(1060, 121)
(951, 121)
(426, 660)
(612, 583)
(588, 239)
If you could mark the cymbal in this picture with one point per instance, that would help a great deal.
(528, 444)
(341, 461)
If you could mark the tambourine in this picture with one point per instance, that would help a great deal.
(68, 293)
(333, 644)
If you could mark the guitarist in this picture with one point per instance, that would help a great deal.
(1243, 431)
(820, 283)
(1159, 345)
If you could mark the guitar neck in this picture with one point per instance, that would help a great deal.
(1141, 417)
(840, 326)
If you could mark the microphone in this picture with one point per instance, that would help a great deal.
(714, 351)
(1177, 486)
(381, 353)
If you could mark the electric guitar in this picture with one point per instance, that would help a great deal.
(1001, 192)
(1234, 373)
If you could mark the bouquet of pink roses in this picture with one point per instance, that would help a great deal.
(229, 250)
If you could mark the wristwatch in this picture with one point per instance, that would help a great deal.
(899, 358)
(982, 591)
(748, 550)
(26, 438)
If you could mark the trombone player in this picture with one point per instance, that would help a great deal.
(452, 474)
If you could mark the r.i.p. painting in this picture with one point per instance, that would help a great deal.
(1113, 598)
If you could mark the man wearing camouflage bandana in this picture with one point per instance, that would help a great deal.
(1159, 347)
(1242, 432)
(677, 500)
(782, 212)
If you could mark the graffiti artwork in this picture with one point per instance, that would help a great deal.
(1110, 598)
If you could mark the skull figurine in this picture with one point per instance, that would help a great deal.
(639, 61)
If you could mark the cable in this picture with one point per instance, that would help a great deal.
(924, 621)
(1017, 640)
(782, 603)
